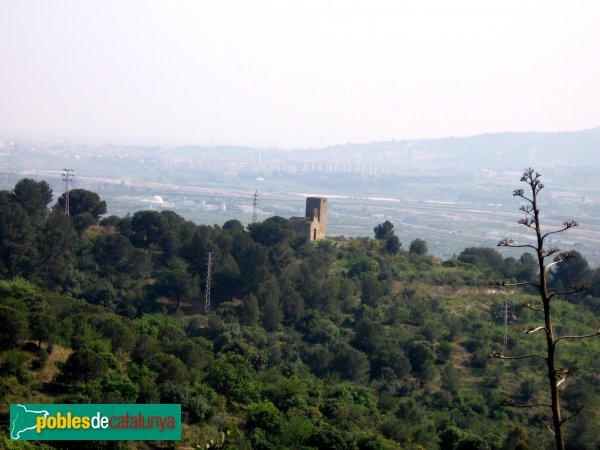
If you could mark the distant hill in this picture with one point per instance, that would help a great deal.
(499, 151)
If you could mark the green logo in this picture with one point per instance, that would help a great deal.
(95, 422)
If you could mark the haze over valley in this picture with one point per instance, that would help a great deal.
(453, 192)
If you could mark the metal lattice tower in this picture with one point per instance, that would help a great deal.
(505, 326)
(208, 277)
(67, 176)
(255, 207)
(507, 317)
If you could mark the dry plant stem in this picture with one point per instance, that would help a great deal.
(556, 376)
(532, 179)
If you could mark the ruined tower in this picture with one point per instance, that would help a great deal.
(316, 209)
(314, 222)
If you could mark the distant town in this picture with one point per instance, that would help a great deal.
(430, 189)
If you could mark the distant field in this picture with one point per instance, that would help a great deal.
(454, 192)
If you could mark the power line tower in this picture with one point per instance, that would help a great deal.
(255, 207)
(208, 277)
(509, 316)
(506, 326)
(67, 176)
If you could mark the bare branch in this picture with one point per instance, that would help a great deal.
(551, 251)
(533, 306)
(564, 374)
(573, 415)
(566, 225)
(527, 209)
(583, 336)
(538, 186)
(567, 255)
(530, 330)
(521, 283)
(514, 404)
(510, 243)
(570, 224)
(521, 193)
(560, 258)
(527, 221)
(527, 174)
(500, 355)
(574, 290)
(505, 242)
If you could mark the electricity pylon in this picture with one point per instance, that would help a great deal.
(255, 207)
(67, 176)
(208, 276)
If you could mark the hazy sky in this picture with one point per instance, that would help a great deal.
(296, 73)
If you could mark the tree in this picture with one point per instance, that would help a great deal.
(13, 327)
(351, 363)
(532, 220)
(392, 245)
(384, 230)
(85, 208)
(268, 295)
(33, 196)
(17, 238)
(147, 227)
(526, 267)
(82, 201)
(250, 311)
(422, 356)
(418, 247)
(233, 226)
(272, 316)
(453, 438)
(169, 368)
(176, 283)
(371, 290)
(42, 327)
(251, 259)
(571, 272)
(84, 365)
(292, 303)
(266, 416)
(483, 258)
(56, 247)
(390, 359)
(369, 335)
(233, 377)
(274, 231)
(111, 252)
(226, 274)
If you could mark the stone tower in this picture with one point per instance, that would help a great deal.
(314, 222)
(316, 208)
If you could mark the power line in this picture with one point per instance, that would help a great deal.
(208, 277)
(67, 176)
(255, 207)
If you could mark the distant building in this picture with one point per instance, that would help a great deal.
(314, 223)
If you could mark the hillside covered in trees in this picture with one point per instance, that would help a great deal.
(341, 344)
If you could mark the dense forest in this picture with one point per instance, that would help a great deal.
(366, 343)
